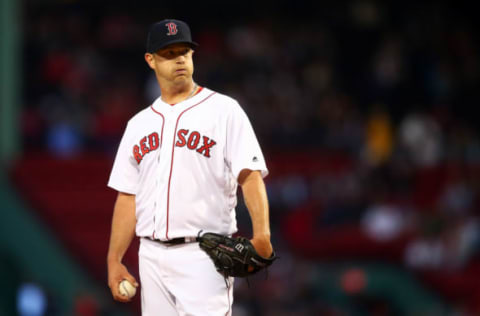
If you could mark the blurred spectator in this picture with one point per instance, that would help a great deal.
(421, 137)
(379, 138)
(384, 222)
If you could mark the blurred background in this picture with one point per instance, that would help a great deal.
(366, 111)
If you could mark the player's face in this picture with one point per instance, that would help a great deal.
(173, 63)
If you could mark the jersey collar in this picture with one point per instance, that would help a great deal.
(161, 106)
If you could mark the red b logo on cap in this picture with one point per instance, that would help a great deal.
(172, 28)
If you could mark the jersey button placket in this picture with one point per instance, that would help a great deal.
(167, 153)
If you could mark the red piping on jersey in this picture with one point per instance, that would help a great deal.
(163, 123)
(161, 142)
(171, 164)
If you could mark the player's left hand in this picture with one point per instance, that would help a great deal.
(237, 256)
(262, 245)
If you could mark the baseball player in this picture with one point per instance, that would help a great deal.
(176, 171)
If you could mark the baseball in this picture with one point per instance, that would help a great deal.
(127, 289)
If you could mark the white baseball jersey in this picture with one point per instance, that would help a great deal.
(182, 162)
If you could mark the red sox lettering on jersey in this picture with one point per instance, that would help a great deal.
(193, 141)
(142, 149)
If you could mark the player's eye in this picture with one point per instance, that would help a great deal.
(173, 53)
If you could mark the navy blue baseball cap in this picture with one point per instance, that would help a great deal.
(168, 32)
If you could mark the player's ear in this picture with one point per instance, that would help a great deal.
(150, 60)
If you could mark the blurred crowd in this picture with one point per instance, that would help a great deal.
(387, 91)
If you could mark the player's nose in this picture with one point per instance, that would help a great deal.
(180, 59)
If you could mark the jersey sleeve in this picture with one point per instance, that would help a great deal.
(242, 148)
(124, 176)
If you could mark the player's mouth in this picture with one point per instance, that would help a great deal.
(181, 71)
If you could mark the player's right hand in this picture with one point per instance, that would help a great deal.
(117, 272)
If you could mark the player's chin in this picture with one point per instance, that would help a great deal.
(182, 77)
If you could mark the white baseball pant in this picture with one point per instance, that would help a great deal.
(181, 280)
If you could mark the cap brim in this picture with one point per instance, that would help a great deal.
(155, 48)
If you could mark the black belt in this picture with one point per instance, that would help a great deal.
(175, 241)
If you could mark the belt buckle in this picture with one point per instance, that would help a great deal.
(170, 243)
(190, 239)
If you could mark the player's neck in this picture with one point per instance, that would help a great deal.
(177, 94)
